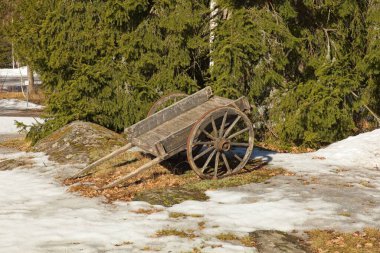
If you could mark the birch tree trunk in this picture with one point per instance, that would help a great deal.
(213, 25)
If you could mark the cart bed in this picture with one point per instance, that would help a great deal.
(165, 133)
(179, 123)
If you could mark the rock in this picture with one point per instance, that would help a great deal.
(272, 241)
(79, 142)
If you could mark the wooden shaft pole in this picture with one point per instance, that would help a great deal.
(134, 173)
(85, 170)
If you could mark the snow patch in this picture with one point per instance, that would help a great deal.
(16, 104)
(8, 124)
(356, 152)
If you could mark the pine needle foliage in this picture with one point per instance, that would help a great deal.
(310, 64)
(107, 61)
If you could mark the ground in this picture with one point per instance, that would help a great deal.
(332, 189)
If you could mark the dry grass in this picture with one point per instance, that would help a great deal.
(201, 225)
(230, 237)
(273, 146)
(359, 242)
(37, 98)
(158, 177)
(175, 232)
(184, 215)
(19, 143)
(10, 164)
(147, 211)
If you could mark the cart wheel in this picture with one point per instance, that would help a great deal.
(166, 101)
(226, 138)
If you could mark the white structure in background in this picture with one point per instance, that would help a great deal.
(15, 79)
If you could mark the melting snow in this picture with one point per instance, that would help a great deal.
(39, 215)
(8, 124)
(16, 104)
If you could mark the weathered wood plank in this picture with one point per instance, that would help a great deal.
(168, 113)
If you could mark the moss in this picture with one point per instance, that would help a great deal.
(257, 176)
(79, 142)
(170, 196)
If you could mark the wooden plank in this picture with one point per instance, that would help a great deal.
(242, 104)
(168, 113)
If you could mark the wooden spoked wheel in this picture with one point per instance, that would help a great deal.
(166, 101)
(225, 136)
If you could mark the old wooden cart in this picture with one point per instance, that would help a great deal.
(215, 132)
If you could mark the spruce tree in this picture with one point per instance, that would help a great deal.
(312, 67)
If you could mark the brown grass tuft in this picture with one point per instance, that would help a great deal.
(358, 242)
(174, 232)
(37, 98)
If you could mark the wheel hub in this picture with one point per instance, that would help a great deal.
(222, 145)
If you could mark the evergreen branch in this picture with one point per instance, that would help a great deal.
(377, 117)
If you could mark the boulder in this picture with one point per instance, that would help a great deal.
(79, 142)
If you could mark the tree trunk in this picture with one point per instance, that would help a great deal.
(31, 87)
(213, 24)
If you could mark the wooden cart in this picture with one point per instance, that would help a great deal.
(215, 132)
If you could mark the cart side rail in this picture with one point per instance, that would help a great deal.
(168, 113)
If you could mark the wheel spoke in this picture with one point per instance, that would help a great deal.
(216, 165)
(203, 153)
(238, 133)
(214, 126)
(221, 131)
(232, 126)
(203, 143)
(208, 161)
(226, 162)
(208, 135)
(240, 144)
(238, 157)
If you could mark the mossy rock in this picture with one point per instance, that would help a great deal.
(273, 241)
(79, 142)
(170, 196)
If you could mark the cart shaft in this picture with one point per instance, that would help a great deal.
(134, 173)
(86, 170)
